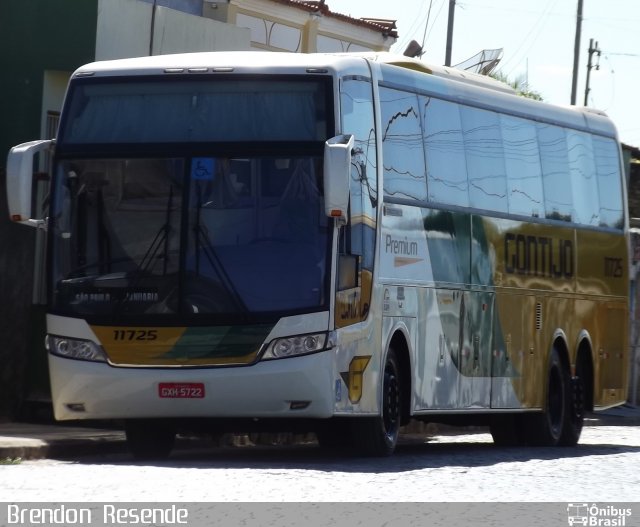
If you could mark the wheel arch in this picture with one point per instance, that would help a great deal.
(399, 341)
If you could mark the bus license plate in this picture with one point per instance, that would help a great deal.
(181, 390)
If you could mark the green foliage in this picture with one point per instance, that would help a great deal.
(520, 84)
(11, 461)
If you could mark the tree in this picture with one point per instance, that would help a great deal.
(520, 84)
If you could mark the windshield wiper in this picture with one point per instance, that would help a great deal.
(159, 242)
(202, 241)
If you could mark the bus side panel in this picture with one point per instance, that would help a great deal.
(611, 384)
(533, 272)
(515, 372)
(580, 283)
(431, 249)
(357, 365)
(602, 264)
(602, 272)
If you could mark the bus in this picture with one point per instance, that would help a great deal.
(338, 243)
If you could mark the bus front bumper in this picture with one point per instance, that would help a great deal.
(298, 387)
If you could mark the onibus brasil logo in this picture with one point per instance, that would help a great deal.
(597, 515)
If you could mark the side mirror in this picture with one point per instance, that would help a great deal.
(337, 171)
(20, 179)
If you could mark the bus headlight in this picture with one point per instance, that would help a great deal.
(75, 348)
(296, 345)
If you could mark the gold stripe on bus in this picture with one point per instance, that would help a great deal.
(161, 346)
(138, 345)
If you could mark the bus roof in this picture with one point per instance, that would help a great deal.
(461, 85)
(237, 61)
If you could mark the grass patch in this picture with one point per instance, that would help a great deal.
(11, 461)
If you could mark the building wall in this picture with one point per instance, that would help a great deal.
(35, 37)
(276, 26)
(177, 32)
(193, 7)
(125, 27)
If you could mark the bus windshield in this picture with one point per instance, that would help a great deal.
(189, 236)
(194, 110)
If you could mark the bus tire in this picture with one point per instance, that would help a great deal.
(545, 428)
(577, 403)
(378, 436)
(149, 439)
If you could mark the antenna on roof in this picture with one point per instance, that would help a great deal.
(413, 50)
(483, 62)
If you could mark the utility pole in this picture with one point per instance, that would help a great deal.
(592, 49)
(576, 55)
(153, 26)
(452, 8)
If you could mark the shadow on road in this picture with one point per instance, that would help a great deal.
(411, 454)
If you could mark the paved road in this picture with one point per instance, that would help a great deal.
(453, 468)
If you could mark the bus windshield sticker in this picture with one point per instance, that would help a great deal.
(202, 168)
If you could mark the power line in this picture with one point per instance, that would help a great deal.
(408, 36)
(624, 54)
(435, 19)
(426, 25)
(538, 26)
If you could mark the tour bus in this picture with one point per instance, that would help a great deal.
(337, 243)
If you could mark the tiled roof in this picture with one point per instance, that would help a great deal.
(384, 26)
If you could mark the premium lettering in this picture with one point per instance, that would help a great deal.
(404, 247)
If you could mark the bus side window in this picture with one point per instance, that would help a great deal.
(402, 149)
(554, 158)
(358, 237)
(607, 159)
(485, 159)
(584, 184)
(444, 149)
(522, 161)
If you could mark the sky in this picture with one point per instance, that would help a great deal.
(537, 38)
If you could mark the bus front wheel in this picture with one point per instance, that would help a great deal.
(150, 439)
(378, 436)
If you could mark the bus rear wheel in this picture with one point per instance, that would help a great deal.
(378, 436)
(150, 439)
(576, 408)
(546, 428)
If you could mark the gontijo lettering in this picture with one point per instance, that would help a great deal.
(538, 256)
